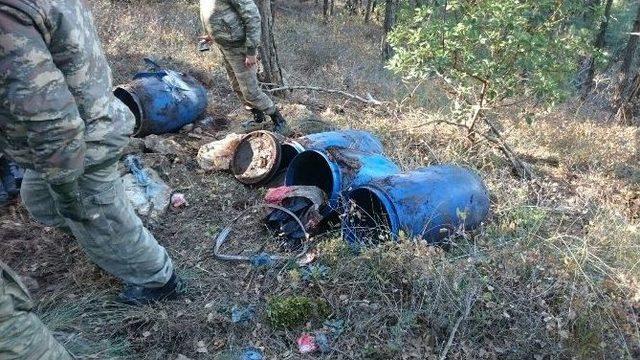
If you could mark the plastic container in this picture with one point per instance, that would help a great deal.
(262, 157)
(428, 203)
(162, 101)
(337, 170)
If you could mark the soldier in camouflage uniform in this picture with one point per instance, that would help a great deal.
(235, 26)
(22, 334)
(60, 121)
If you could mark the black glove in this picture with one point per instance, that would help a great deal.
(69, 201)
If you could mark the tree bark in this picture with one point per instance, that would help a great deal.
(389, 23)
(630, 49)
(367, 11)
(627, 82)
(598, 44)
(268, 51)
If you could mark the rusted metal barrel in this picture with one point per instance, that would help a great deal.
(261, 156)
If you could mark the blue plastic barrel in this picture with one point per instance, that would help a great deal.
(345, 139)
(337, 170)
(268, 155)
(428, 203)
(162, 100)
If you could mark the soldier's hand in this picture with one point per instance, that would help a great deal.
(70, 203)
(250, 61)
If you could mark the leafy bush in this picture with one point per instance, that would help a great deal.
(491, 50)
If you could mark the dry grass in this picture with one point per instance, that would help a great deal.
(553, 273)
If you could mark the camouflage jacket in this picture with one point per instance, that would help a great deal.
(58, 115)
(232, 23)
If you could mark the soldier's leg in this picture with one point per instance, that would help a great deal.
(232, 79)
(22, 334)
(37, 198)
(247, 79)
(116, 240)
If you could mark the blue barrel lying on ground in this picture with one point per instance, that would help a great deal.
(428, 203)
(262, 155)
(337, 170)
(162, 100)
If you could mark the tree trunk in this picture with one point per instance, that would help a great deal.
(268, 51)
(367, 11)
(627, 85)
(598, 44)
(630, 49)
(389, 23)
(325, 9)
(331, 8)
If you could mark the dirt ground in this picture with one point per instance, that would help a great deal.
(553, 273)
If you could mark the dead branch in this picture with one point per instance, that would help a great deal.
(518, 165)
(521, 168)
(368, 100)
(467, 310)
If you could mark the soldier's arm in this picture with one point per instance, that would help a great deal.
(34, 93)
(252, 23)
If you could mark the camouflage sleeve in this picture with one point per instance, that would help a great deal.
(34, 92)
(252, 23)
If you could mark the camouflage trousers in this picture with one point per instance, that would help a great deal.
(244, 81)
(22, 334)
(116, 240)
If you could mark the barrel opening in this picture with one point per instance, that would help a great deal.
(256, 158)
(132, 103)
(288, 153)
(368, 219)
(311, 168)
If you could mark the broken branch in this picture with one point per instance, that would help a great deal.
(467, 310)
(369, 100)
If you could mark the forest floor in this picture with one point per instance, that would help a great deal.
(553, 273)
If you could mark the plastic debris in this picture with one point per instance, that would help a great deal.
(160, 145)
(261, 259)
(146, 191)
(304, 201)
(217, 155)
(307, 343)
(178, 200)
(240, 315)
(335, 327)
(322, 342)
(252, 353)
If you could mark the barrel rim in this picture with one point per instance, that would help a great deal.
(139, 115)
(276, 153)
(336, 175)
(385, 200)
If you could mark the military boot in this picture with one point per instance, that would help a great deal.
(279, 123)
(138, 295)
(258, 118)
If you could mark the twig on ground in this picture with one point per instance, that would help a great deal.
(519, 166)
(467, 310)
(368, 100)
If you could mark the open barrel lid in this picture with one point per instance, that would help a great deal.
(257, 157)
